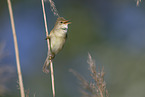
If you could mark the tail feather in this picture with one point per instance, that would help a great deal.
(50, 56)
(46, 64)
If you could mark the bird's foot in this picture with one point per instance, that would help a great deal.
(48, 37)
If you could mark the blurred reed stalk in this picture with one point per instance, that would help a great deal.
(97, 88)
(53, 8)
(51, 64)
(16, 49)
(137, 2)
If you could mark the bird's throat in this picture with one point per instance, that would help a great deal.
(61, 32)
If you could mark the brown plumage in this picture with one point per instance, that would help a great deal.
(57, 38)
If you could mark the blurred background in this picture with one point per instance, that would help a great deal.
(112, 31)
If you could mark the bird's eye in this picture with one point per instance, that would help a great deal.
(61, 22)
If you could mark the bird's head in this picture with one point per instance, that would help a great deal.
(61, 23)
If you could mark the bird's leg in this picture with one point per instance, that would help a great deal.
(51, 56)
(48, 37)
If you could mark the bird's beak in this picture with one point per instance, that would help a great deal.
(67, 22)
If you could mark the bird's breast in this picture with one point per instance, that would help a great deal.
(57, 44)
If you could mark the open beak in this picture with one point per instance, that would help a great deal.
(67, 22)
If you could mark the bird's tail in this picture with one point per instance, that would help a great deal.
(46, 64)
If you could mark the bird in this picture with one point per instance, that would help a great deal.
(57, 39)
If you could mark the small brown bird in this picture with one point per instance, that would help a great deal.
(57, 38)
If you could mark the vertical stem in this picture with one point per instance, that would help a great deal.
(16, 49)
(52, 78)
(51, 64)
(45, 22)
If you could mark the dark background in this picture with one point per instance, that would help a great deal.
(112, 31)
